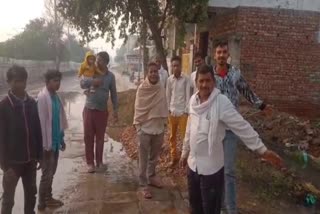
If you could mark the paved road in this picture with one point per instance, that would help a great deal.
(110, 191)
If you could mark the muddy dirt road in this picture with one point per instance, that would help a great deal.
(112, 190)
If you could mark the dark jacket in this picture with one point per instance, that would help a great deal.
(20, 131)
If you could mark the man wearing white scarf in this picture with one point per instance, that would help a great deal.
(211, 113)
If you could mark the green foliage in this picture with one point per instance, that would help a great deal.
(36, 42)
(267, 182)
(97, 18)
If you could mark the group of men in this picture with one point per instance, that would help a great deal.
(32, 133)
(204, 107)
(31, 136)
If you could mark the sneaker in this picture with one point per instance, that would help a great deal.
(91, 169)
(51, 202)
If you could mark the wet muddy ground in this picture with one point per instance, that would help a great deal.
(114, 189)
(111, 190)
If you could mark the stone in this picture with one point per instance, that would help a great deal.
(316, 141)
(303, 145)
(309, 131)
(285, 141)
(269, 126)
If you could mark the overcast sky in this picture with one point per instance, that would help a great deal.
(15, 14)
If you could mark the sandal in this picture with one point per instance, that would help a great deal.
(146, 193)
(156, 182)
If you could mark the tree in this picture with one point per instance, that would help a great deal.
(57, 23)
(99, 18)
(36, 43)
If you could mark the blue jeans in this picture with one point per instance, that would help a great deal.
(230, 143)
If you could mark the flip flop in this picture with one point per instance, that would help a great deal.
(156, 183)
(146, 193)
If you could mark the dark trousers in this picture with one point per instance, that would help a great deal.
(205, 192)
(49, 165)
(28, 173)
(95, 124)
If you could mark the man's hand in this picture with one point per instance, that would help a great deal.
(183, 162)
(115, 117)
(39, 165)
(268, 111)
(3, 167)
(274, 159)
(63, 146)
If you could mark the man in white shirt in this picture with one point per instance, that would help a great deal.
(198, 61)
(178, 95)
(211, 113)
(163, 73)
(150, 116)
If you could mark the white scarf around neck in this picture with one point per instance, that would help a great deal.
(212, 110)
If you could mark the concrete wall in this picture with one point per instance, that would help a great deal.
(36, 69)
(311, 5)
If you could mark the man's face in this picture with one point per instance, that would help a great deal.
(54, 84)
(18, 86)
(153, 74)
(176, 68)
(221, 55)
(158, 62)
(101, 64)
(205, 84)
(198, 61)
(91, 60)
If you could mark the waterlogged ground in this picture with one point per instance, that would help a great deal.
(114, 189)
(111, 190)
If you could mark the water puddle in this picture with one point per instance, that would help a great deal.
(71, 169)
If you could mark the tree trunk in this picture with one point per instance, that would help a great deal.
(144, 32)
(56, 36)
(154, 28)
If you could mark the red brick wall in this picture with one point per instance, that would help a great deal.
(223, 22)
(280, 53)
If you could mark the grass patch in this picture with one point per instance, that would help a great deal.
(266, 182)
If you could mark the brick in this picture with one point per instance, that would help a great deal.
(280, 52)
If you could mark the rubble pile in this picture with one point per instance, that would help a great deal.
(288, 130)
(283, 128)
(130, 143)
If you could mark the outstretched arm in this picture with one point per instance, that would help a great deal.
(246, 91)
